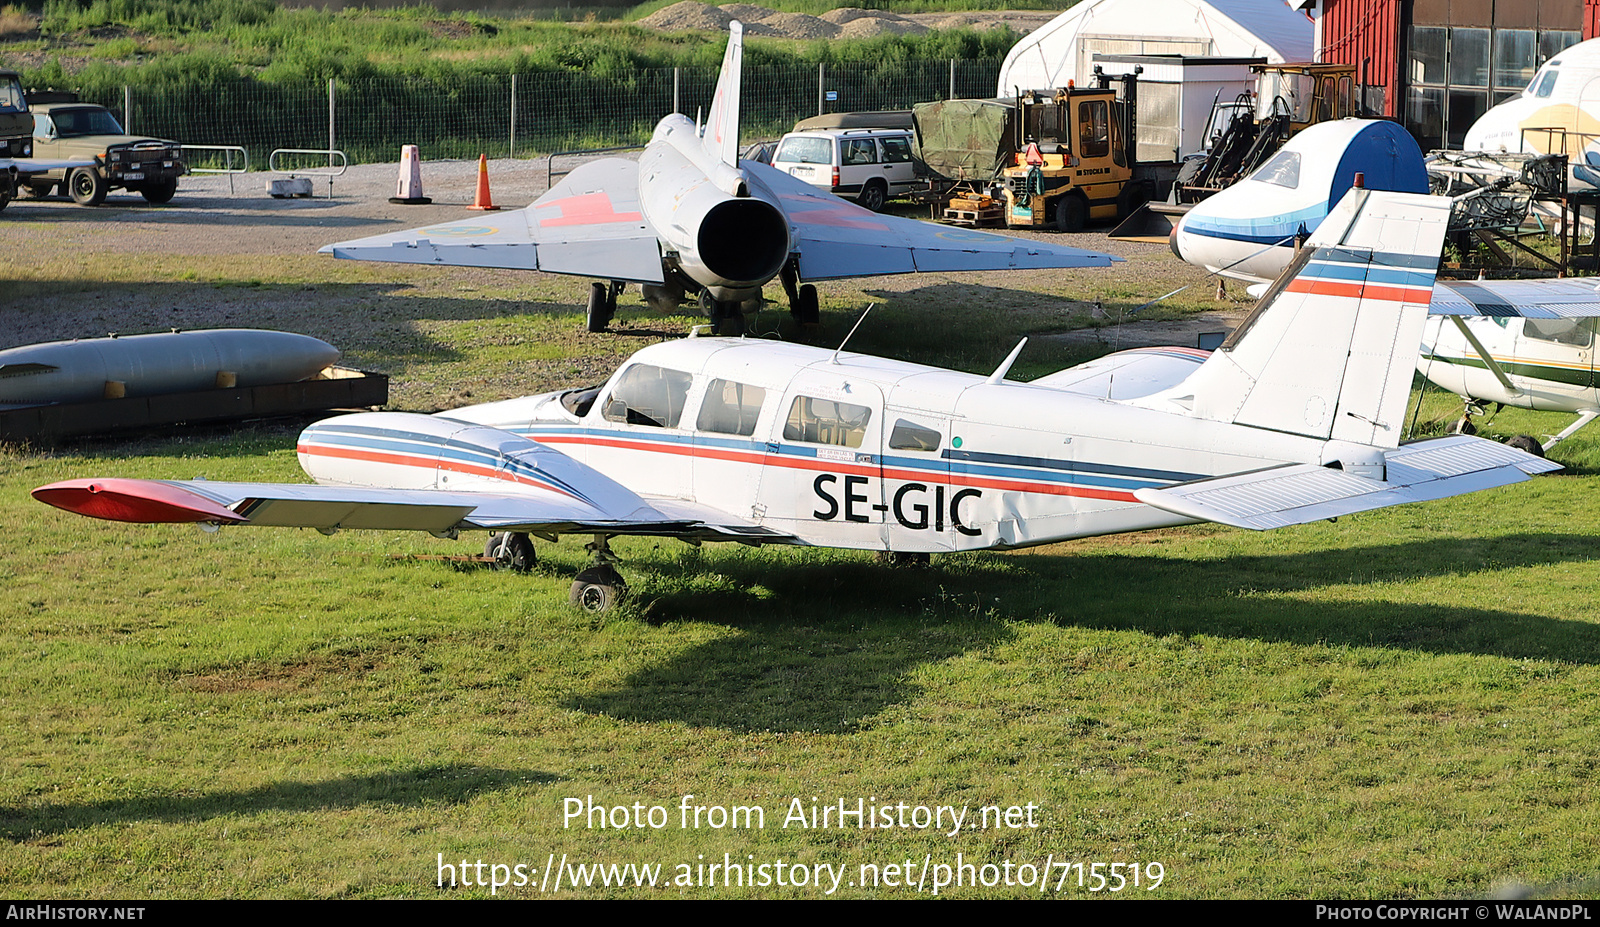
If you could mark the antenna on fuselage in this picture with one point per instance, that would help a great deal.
(835, 358)
(699, 130)
(1005, 365)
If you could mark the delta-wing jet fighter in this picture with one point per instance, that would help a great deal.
(1296, 418)
(689, 218)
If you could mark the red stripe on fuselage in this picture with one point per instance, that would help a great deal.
(430, 463)
(822, 464)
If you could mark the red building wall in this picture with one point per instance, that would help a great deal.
(1366, 33)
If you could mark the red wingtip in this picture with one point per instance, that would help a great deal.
(143, 501)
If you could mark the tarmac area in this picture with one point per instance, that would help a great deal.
(229, 225)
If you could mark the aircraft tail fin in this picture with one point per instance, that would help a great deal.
(1329, 350)
(721, 138)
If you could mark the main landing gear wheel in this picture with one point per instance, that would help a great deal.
(511, 550)
(597, 589)
(900, 559)
(1528, 444)
(602, 304)
(805, 309)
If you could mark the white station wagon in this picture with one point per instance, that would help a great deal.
(870, 166)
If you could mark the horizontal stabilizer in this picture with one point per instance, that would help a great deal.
(1295, 494)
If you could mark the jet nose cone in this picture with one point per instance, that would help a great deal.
(1172, 241)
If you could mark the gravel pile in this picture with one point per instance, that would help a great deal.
(847, 22)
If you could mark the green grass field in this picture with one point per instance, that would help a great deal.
(1399, 704)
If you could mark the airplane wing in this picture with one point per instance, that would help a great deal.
(1530, 299)
(838, 239)
(588, 225)
(1295, 494)
(495, 481)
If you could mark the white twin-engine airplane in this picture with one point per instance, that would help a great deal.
(690, 218)
(1296, 418)
(1523, 343)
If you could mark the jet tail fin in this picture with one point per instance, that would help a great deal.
(1329, 351)
(721, 137)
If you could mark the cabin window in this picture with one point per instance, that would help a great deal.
(647, 395)
(1094, 129)
(1575, 332)
(1282, 171)
(909, 436)
(731, 408)
(826, 421)
(1545, 84)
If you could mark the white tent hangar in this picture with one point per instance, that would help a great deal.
(1064, 48)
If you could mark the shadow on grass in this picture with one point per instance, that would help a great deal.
(789, 671)
(438, 784)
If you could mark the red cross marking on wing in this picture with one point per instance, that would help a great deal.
(586, 209)
(816, 210)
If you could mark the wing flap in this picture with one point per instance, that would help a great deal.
(1295, 494)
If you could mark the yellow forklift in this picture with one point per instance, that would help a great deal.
(1074, 157)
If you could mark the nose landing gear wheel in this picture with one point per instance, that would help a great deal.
(597, 589)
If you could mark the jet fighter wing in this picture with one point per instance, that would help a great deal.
(588, 225)
(1529, 299)
(838, 239)
(1295, 494)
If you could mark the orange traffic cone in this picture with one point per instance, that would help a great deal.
(483, 200)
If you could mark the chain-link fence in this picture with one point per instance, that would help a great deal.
(504, 116)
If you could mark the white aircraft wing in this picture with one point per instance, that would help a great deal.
(1529, 299)
(1295, 494)
(328, 508)
(588, 225)
(837, 239)
(26, 166)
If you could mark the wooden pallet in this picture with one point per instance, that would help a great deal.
(977, 218)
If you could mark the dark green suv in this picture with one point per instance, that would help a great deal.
(85, 131)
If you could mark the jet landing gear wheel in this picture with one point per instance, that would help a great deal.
(726, 319)
(511, 550)
(805, 309)
(597, 589)
(602, 304)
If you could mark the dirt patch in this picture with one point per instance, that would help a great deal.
(845, 23)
